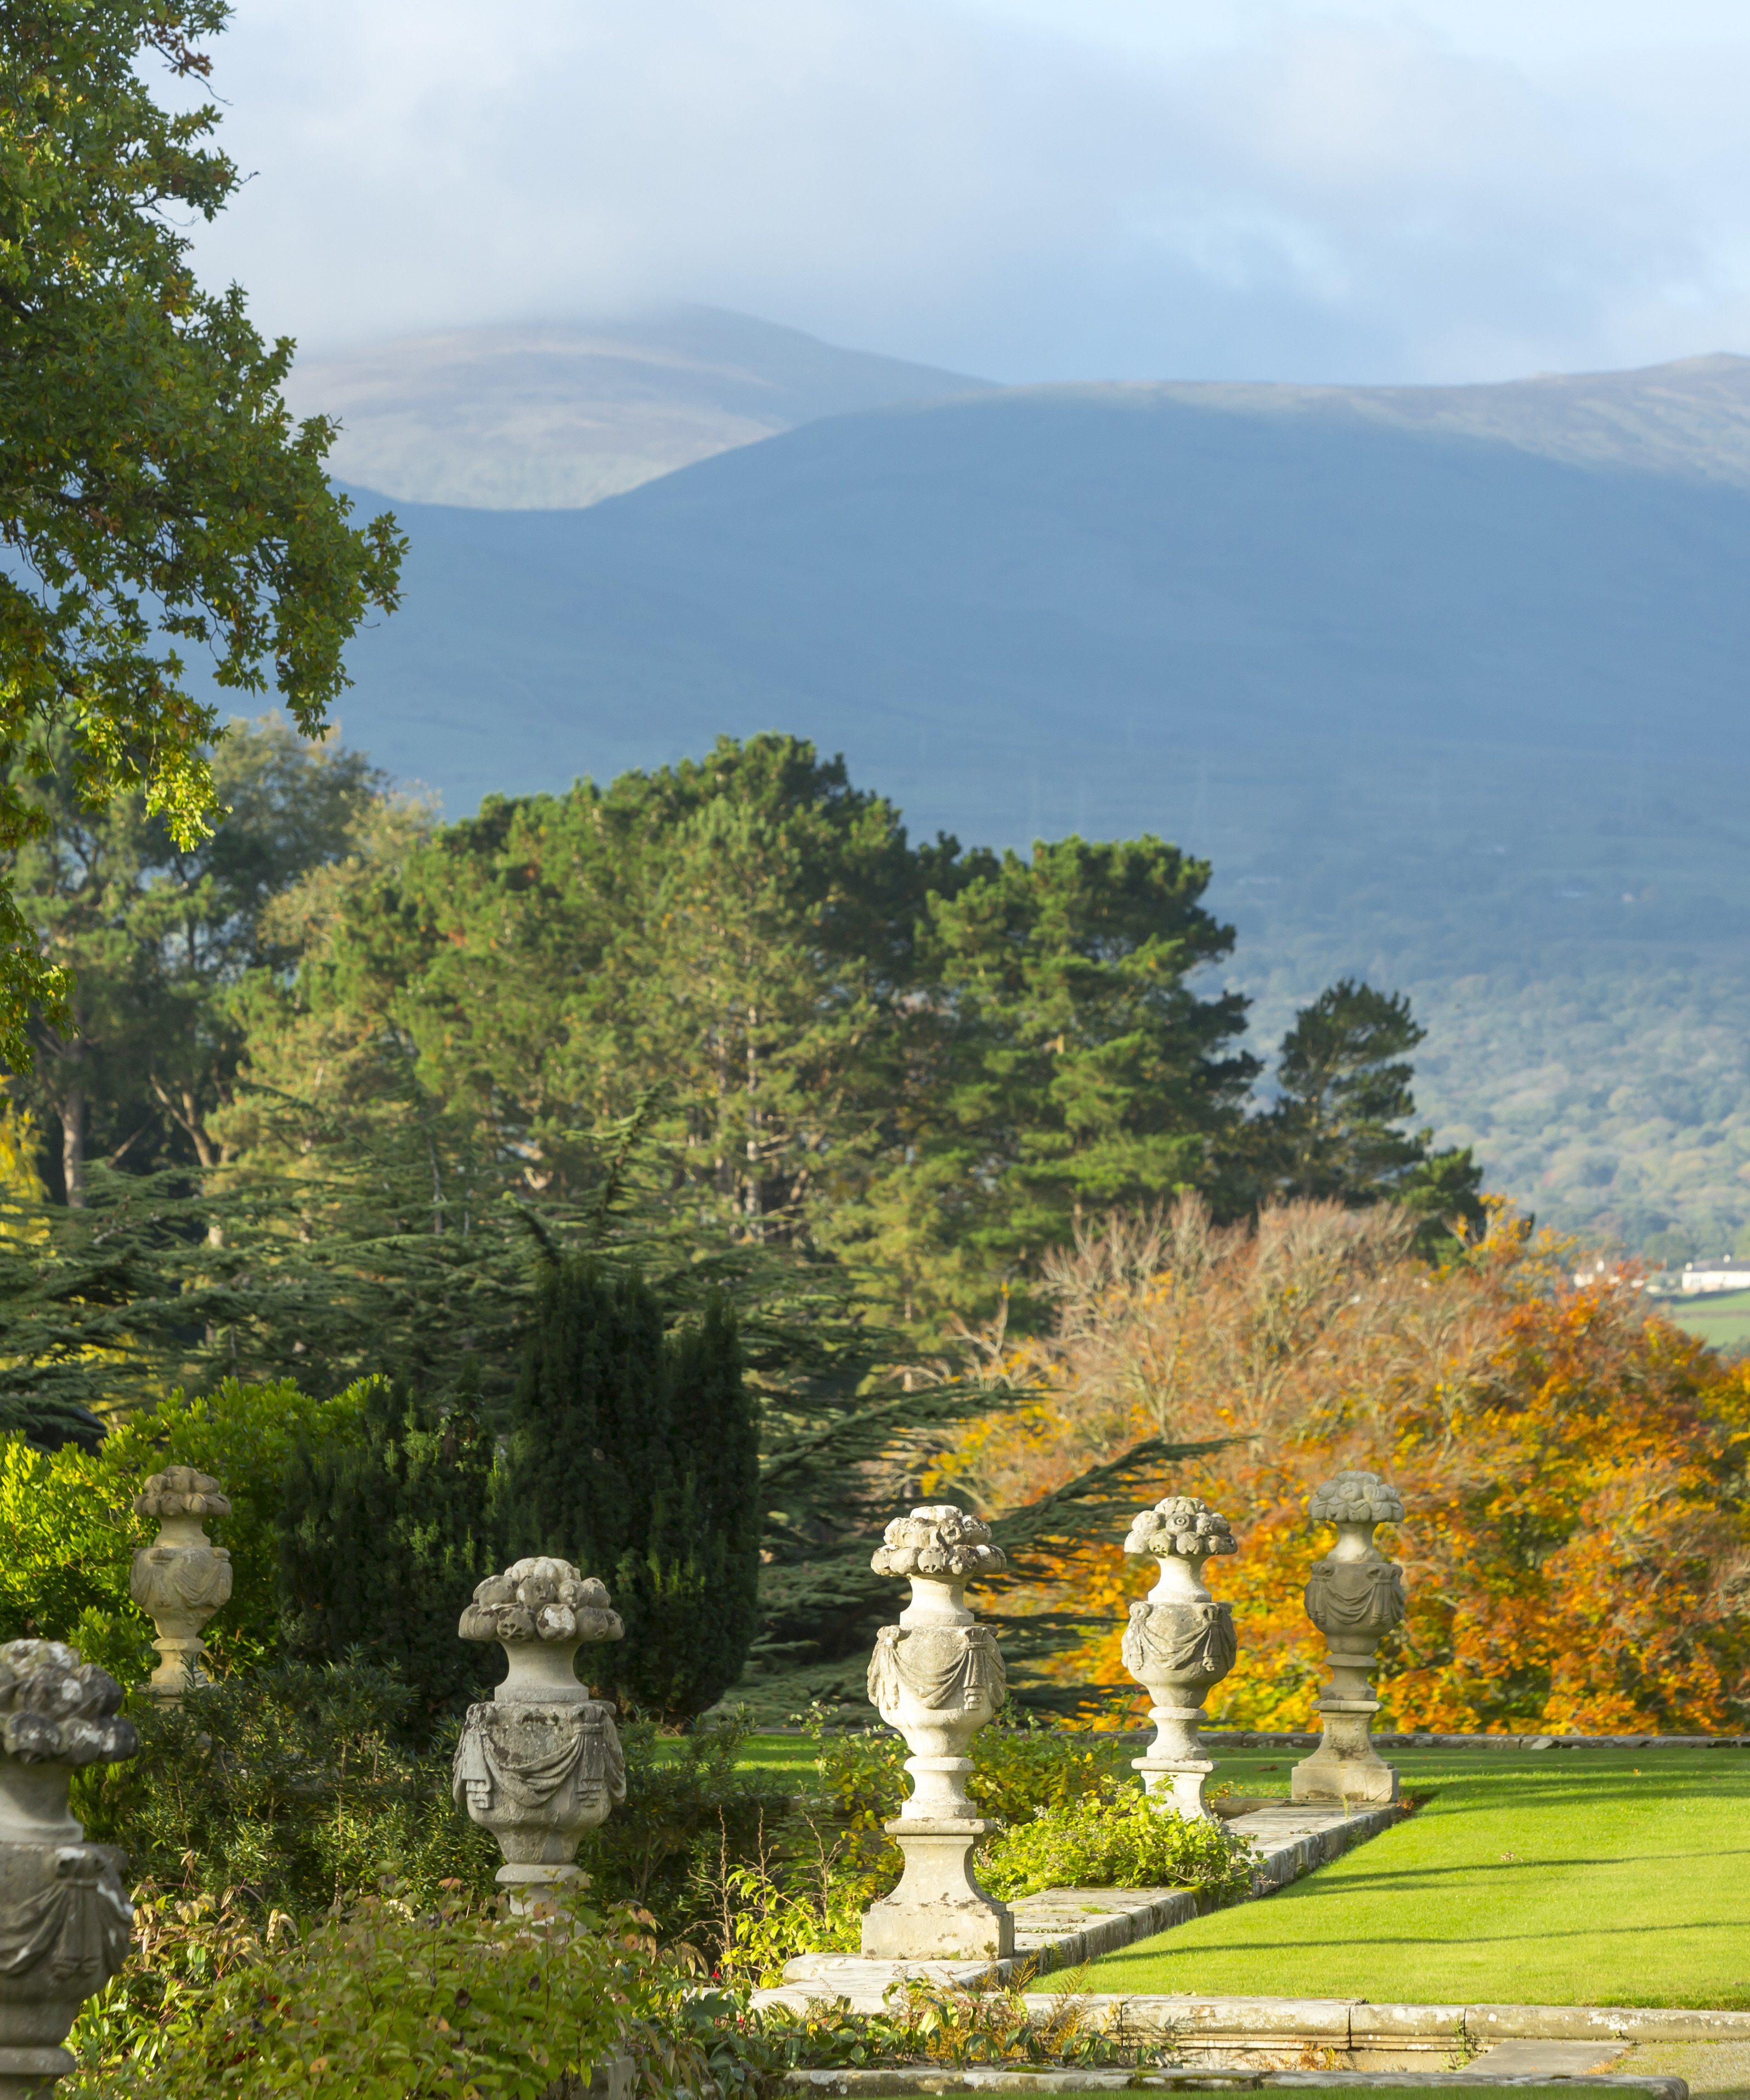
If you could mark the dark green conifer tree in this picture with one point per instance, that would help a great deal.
(693, 1588)
(637, 1457)
(381, 1546)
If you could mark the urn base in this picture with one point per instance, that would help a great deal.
(1346, 1766)
(938, 1913)
(1176, 1783)
(29, 2074)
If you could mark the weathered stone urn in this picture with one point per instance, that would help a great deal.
(1180, 1644)
(541, 1763)
(182, 1578)
(1355, 1597)
(937, 1677)
(64, 1915)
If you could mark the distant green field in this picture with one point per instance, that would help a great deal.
(1724, 1321)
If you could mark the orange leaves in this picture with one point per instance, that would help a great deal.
(1576, 1544)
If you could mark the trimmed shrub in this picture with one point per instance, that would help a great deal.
(635, 1456)
(381, 1546)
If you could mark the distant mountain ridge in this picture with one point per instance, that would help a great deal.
(560, 417)
(557, 417)
(1451, 685)
(1690, 418)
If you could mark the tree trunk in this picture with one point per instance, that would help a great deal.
(72, 1145)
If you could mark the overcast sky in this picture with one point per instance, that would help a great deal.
(1024, 189)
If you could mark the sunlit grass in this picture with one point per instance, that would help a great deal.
(1553, 1877)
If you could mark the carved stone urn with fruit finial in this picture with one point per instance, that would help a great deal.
(541, 1762)
(182, 1578)
(1355, 1597)
(64, 1915)
(1180, 1644)
(937, 1677)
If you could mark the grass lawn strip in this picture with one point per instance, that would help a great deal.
(1592, 1877)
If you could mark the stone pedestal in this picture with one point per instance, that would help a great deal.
(1355, 1596)
(64, 1915)
(541, 1763)
(937, 1677)
(1180, 1644)
(182, 1578)
(939, 1911)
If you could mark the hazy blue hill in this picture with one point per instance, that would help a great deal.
(1465, 711)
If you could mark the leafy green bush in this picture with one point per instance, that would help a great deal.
(1019, 1771)
(863, 1772)
(926, 2021)
(1119, 1843)
(386, 2003)
(70, 1531)
(293, 1788)
(687, 1813)
(1015, 1771)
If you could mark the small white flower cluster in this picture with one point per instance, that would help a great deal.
(180, 1491)
(55, 1710)
(1356, 1498)
(1181, 1524)
(938, 1540)
(541, 1599)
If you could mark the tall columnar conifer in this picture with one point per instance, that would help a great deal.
(636, 1455)
(381, 1546)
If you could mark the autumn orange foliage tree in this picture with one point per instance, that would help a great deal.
(1576, 1542)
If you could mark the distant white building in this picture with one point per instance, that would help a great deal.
(1600, 1269)
(1729, 1273)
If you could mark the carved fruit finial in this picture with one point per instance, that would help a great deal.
(56, 1710)
(541, 1600)
(1183, 1524)
(1356, 1498)
(940, 1543)
(181, 1491)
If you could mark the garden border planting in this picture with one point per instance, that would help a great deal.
(896, 2084)
(1291, 1838)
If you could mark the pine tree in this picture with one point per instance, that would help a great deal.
(381, 1546)
(1346, 1091)
(635, 1456)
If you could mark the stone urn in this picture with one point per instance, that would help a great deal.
(539, 1763)
(64, 1915)
(182, 1578)
(937, 1677)
(1180, 1644)
(1355, 1597)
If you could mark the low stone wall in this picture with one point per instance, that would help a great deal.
(1355, 2029)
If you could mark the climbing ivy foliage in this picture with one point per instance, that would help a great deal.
(154, 493)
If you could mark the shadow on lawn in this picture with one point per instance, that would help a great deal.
(1390, 1878)
(1542, 1937)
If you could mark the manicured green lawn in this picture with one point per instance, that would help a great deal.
(779, 1754)
(1554, 1877)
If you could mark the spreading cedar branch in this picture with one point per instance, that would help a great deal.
(153, 490)
(1576, 1543)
